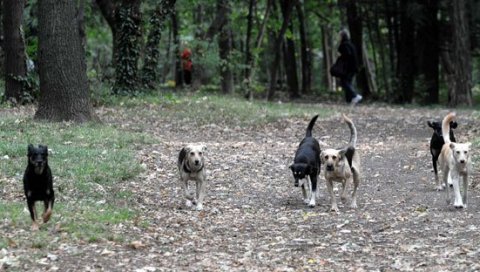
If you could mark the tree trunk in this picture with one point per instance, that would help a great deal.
(176, 50)
(151, 58)
(15, 58)
(225, 47)
(258, 43)
(428, 56)
(290, 64)
(109, 8)
(64, 94)
(128, 20)
(305, 50)
(458, 56)
(248, 53)
(406, 56)
(355, 26)
(278, 45)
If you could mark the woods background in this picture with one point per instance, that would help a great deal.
(424, 52)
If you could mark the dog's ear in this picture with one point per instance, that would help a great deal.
(341, 154)
(469, 144)
(45, 149)
(322, 154)
(204, 148)
(291, 167)
(452, 146)
(430, 124)
(453, 124)
(30, 149)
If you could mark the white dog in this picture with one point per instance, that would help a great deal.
(455, 164)
(191, 167)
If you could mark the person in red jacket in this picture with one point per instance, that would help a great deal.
(187, 65)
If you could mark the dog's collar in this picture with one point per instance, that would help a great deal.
(187, 170)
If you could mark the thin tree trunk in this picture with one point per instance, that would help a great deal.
(176, 50)
(258, 43)
(64, 93)
(225, 47)
(248, 53)
(15, 57)
(306, 55)
(290, 64)
(109, 8)
(385, 71)
(277, 47)
(406, 56)
(355, 25)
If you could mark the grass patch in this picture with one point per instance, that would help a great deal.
(87, 162)
(216, 109)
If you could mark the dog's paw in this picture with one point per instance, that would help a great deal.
(188, 203)
(34, 226)
(448, 201)
(334, 209)
(439, 188)
(311, 203)
(458, 205)
(199, 207)
(353, 205)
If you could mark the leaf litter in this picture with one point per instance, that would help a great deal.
(254, 218)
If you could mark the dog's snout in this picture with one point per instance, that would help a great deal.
(329, 167)
(296, 183)
(197, 162)
(462, 161)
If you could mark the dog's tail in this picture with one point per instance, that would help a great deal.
(310, 126)
(353, 131)
(446, 127)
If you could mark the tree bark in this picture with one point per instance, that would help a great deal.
(225, 48)
(151, 58)
(64, 93)
(406, 56)
(248, 53)
(278, 45)
(109, 8)
(128, 20)
(15, 57)
(428, 55)
(176, 50)
(355, 26)
(305, 50)
(457, 63)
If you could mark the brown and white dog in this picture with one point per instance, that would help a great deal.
(342, 165)
(455, 164)
(191, 165)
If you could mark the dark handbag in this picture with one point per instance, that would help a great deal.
(339, 68)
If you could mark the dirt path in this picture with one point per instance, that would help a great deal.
(255, 220)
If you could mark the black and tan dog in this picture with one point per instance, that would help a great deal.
(191, 165)
(306, 165)
(436, 144)
(38, 183)
(343, 165)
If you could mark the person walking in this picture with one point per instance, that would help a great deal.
(348, 54)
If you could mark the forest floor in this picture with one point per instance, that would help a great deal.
(254, 218)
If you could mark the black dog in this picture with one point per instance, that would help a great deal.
(38, 183)
(436, 144)
(307, 164)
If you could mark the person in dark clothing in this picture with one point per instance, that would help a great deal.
(349, 54)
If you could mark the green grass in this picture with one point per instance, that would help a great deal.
(83, 158)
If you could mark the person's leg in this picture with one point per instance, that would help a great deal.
(346, 83)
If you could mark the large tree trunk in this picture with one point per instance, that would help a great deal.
(428, 50)
(128, 20)
(15, 58)
(355, 26)
(64, 94)
(278, 45)
(457, 59)
(406, 56)
(305, 51)
(225, 47)
(109, 8)
(151, 58)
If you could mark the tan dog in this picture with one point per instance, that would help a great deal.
(343, 165)
(191, 164)
(455, 164)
